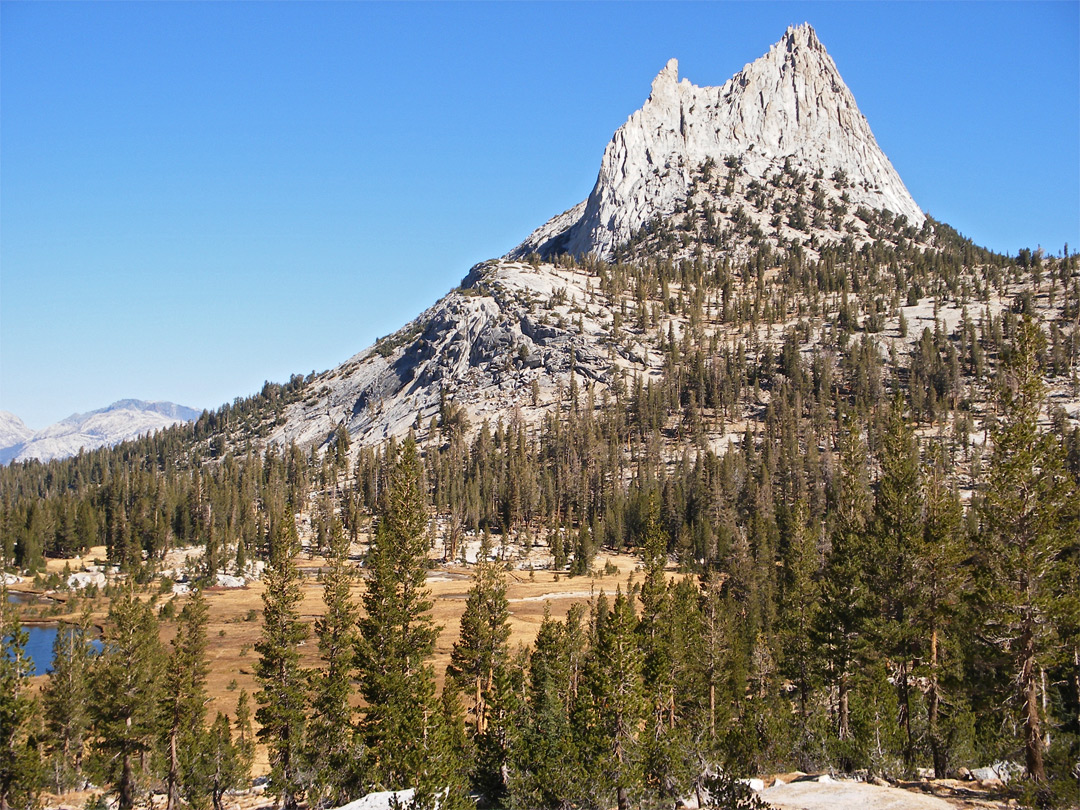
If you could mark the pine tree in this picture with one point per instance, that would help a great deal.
(715, 642)
(331, 749)
(20, 762)
(942, 583)
(616, 704)
(663, 645)
(282, 698)
(897, 531)
(799, 607)
(245, 736)
(66, 703)
(839, 626)
(1025, 528)
(397, 636)
(183, 705)
(222, 765)
(127, 685)
(481, 648)
(478, 661)
(546, 771)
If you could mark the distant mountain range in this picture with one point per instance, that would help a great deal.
(123, 420)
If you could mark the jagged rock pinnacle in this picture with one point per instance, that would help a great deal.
(788, 105)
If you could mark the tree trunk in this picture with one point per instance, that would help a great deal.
(288, 800)
(624, 799)
(844, 729)
(127, 785)
(904, 688)
(1029, 698)
(712, 709)
(172, 780)
(479, 708)
(937, 750)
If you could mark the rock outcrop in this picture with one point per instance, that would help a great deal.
(790, 106)
(513, 338)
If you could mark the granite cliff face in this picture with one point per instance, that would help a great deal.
(513, 338)
(788, 107)
(518, 337)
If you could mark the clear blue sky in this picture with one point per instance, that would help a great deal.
(198, 197)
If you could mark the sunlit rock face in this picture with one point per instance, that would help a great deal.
(790, 106)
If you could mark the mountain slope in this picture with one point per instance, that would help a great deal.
(483, 346)
(788, 107)
(123, 420)
(510, 337)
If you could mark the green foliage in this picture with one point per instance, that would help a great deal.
(282, 695)
(183, 705)
(396, 640)
(331, 748)
(478, 664)
(1028, 518)
(20, 758)
(127, 680)
(66, 704)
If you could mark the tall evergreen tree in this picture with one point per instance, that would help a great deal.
(546, 771)
(183, 705)
(222, 763)
(799, 607)
(127, 686)
(282, 697)
(478, 663)
(481, 648)
(66, 703)
(397, 636)
(1026, 525)
(897, 531)
(943, 580)
(840, 624)
(331, 747)
(610, 725)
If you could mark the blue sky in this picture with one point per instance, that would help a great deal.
(198, 197)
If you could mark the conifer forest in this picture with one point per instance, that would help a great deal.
(855, 535)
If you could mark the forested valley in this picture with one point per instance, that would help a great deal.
(855, 555)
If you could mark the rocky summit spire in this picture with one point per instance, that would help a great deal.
(790, 106)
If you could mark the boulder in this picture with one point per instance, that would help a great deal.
(84, 579)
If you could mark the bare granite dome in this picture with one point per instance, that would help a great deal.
(789, 105)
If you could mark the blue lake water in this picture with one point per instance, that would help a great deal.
(39, 648)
